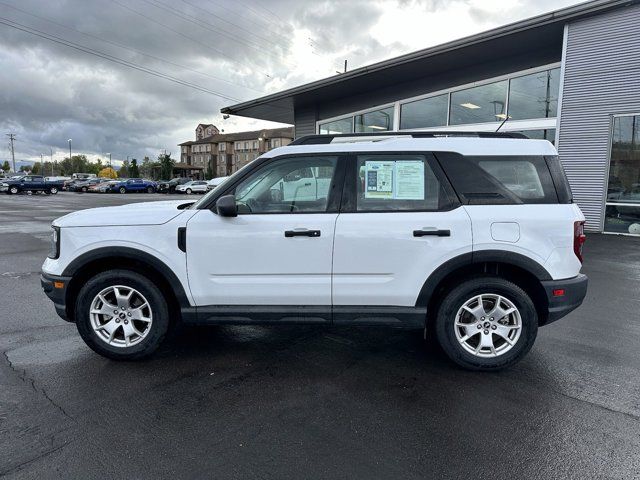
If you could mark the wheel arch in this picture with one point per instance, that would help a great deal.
(517, 268)
(109, 258)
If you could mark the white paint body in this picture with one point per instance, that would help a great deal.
(359, 258)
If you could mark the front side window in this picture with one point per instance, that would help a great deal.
(394, 182)
(481, 104)
(294, 185)
(377, 121)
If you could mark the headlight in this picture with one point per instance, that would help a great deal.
(54, 248)
(5, 184)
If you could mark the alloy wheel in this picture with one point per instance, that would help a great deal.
(488, 325)
(120, 316)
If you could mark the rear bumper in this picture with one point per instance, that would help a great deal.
(575, 289)
(55, 287)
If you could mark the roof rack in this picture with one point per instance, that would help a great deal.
(328, 138)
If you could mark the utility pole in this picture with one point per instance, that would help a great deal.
(41, 165)
(12, 137)
(51, 152)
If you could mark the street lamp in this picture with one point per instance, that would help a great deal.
(109, 159)
(69, 149)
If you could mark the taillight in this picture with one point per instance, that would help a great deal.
(578, 239)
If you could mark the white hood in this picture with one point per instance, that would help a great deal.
(143, 213)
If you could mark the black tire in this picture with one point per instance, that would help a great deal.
(53, 190)
(122, 190)
(13, 190)
(150, 190)
(189, 191)
(446, 317)
(142, 284)
(84, 189)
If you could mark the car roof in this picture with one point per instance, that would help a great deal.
(402, 143)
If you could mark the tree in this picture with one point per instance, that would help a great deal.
(147, 168)
(107, 172)
(35, 169)
(25, 168)
(166, 166)
(134, 171)
(124, 169)
(5, 166)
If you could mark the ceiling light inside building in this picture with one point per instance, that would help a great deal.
(471, 106)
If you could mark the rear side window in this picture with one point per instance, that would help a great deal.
(563, 189)
(398, 182)
(504, 180)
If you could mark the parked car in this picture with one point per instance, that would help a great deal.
(473, 238)
(195, 186)
(30, 183)
(107, 186)
(214, 182)
(85, 185)
(134, 185)
(169, 186)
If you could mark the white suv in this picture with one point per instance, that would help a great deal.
(473, 237)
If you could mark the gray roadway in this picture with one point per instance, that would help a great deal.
(310, 402)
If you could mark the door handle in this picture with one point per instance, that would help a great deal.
(301, 233)
(434, 232)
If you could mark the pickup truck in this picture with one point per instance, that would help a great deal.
(30, 183)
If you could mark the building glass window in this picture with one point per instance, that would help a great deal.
(377, 121)
(222, 147)
(622, 212)
(428, 112)
(344, 125)
(535, 95)
(481, 104)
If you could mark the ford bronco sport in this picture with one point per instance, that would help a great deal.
(472, 237)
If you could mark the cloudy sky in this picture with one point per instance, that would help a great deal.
(133, 77)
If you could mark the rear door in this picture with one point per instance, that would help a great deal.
(400, 221)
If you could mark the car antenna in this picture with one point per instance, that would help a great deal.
(503, 122)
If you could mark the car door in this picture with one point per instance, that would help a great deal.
(400, 221)
(277, 251)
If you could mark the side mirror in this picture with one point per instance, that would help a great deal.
(226, 206)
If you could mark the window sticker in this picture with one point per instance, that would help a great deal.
(409, 179)
(379, 179)
(395, 180)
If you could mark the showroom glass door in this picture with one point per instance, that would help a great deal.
(622, 206)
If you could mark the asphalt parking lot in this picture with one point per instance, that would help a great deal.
(312, 402)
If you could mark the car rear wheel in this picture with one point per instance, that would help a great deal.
(13, 190)
(149, 189)
(53, 190)
(122, 190)
(486, 323)
(121, 315)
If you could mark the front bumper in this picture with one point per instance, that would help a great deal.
(573, 292)
(55, 287)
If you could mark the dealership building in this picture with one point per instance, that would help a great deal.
(571, 76)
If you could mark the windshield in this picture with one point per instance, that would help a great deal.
(222, 186)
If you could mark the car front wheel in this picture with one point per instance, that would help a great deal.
(53, 190)
(486, 323)
(13, 190)
(149, 189)
(189, 191)
(121, 315)
(122, 190)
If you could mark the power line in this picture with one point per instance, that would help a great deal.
(208, 47)
(111, 58)
(209, 26)
(130, 48)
